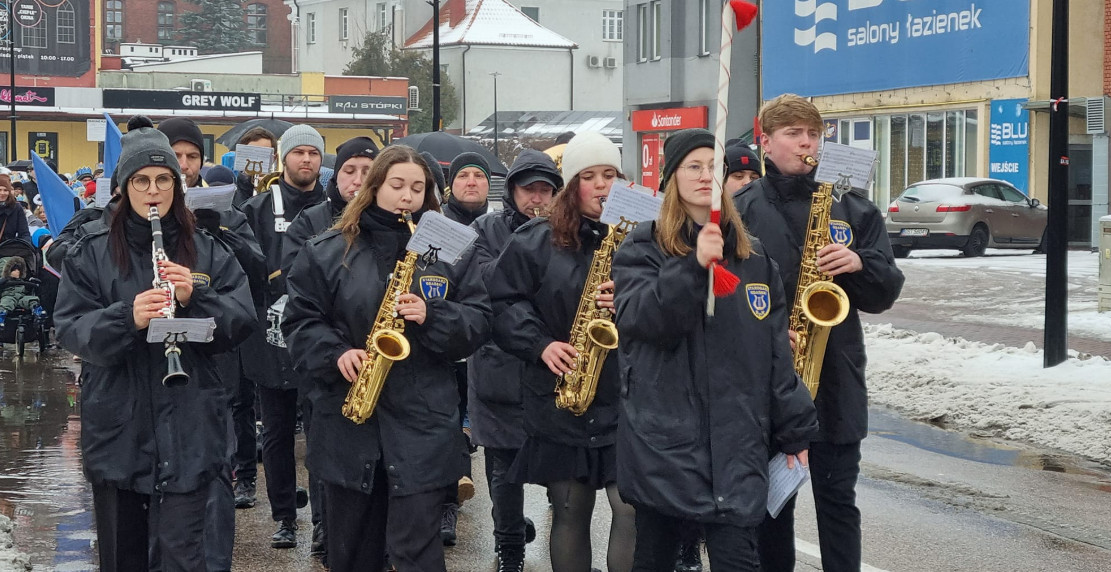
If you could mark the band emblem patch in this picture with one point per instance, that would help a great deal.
(433, 287)
(840, 232)
(759, 300)
(200, 279)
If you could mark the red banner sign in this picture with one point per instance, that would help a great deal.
(672, 119)
(650, 160)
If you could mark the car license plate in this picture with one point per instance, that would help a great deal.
(915, 232)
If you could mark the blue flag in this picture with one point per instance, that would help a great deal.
(57, 198)
(112, 147)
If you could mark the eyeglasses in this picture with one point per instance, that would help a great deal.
(693, 171)
(162, 182)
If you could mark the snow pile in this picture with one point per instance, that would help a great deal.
(10, 558)
(993, 390)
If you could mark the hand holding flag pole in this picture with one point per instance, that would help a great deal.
(723, 282)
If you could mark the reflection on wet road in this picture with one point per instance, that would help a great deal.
(41, 486)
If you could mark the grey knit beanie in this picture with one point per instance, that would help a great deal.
(144, 147)
(300, 135)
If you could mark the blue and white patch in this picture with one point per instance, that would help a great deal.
(840, 232)
(433, 287)
(759, 300)
(201, 279)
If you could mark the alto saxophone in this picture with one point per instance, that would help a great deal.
(593, 334)
(819, 303)
(386, 342)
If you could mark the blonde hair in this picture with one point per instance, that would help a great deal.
(786, 110)
(674, 224)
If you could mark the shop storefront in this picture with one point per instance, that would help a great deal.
(651, 128)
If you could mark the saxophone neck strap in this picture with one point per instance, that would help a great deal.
(280, 224)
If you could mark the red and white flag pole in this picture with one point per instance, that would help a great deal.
(723, 282)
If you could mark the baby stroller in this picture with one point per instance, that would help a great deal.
(22, 318)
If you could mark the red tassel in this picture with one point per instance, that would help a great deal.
(745, 12)
(725, 282)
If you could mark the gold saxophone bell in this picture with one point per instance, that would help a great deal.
(391, 345)
(603, 333)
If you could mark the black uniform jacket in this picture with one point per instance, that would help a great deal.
(56, 254)
(333, 301)
(272, 369)
(775, 208)
(311, 222)
(494, 376)
(535, 288)
(454, 210)
(705, 401)
(137, 434)
(13, 223)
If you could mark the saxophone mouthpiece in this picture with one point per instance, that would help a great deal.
(809, 160)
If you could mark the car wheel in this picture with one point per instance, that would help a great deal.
(900, 251)
(977, 242)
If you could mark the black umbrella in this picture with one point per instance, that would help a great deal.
(231, 137)
(445, 147)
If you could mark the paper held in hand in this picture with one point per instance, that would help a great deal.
(783, 483)
(195, 330)
(837, 160)
(103, 192)
(253, 160)
(631, 202)
(440, 238)
(218, 198)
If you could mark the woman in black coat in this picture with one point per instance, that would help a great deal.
(13, 217)
(385, 479)
(705, 402)
(149, 451)
(535, 287)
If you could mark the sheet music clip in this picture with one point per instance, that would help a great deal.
(430, 257)
(181, 330)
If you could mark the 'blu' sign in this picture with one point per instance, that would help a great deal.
(1009, 146)
(827, 47)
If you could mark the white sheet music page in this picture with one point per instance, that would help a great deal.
(783, 483)
(194, 330)
(103, 192)
(218, 198)
(837, 160)
(441, 237)
(258, 159)
(631, 202)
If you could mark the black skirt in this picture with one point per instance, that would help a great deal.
(543, 462)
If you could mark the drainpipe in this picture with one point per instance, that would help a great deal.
(293, 40)
(464, 97)
(571, 94)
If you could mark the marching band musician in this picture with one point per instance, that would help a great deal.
(496, 414)
(701, 413)
(776, 209)
(535, 288)
(150, 451)
(385, 479)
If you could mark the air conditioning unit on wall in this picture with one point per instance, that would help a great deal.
(200, 85)
(610, 63)
(593, 61)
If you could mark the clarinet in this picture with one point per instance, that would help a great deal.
(175, 375)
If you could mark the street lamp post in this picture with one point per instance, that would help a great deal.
(436, 119)
(11, 80)
(496, 153)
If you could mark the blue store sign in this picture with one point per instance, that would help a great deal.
(1009, 146)
(827, 47)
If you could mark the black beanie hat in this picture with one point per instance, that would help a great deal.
(355, 147)
(464, 160)
(678, 145)
(740, 157)
(183, 129)
(437, 172)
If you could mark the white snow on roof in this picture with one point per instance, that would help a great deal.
(494, 23)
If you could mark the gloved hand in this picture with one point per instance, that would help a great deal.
(209, 220)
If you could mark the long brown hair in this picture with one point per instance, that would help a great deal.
(674, 224)
(565, 217)
(184, 251)
(365, 198)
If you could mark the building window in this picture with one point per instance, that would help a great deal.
(703, 27)
(532, 12)
(380, 16)
(256, 23)
(35, 36)
(67, 24)
(612, 26)
(165, 20)
(343, 23)
(657, 27)
(310, 27)
(643, 40)
(113, 20)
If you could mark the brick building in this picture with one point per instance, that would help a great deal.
(157, 21)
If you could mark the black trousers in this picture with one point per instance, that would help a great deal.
(219, 530)
(137, 532)
(360, 526)
(508, 498)
(243, 414)
(731, 548)
(279, 421)
(833, 473)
